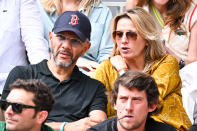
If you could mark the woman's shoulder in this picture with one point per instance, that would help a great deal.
(169, 58)
(101, 6)
(106, 67)
(190, 16)
(166, 62)
(106, 63)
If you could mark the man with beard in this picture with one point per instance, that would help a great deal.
(135, 95)
(80, 102)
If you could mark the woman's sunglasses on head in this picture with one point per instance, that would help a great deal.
(129, 34)
(16, 107)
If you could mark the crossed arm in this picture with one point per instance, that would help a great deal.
(95, 117)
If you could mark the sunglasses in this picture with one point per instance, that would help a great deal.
(16, 107)
(129, 34)
(72, 41)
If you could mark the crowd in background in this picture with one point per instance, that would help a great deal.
(156, 37)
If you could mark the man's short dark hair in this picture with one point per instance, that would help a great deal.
(43, 97)
(140, 81)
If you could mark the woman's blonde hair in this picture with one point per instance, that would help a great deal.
(176, 10)
(146, 28)
(85, 4)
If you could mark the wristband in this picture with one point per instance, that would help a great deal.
(121, 72)
(181, 63)
(62, 126)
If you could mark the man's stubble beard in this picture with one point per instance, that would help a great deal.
(132, 127)
(65, 64)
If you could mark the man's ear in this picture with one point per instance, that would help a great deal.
(41, 116)
(50, 41)
(50, 35)
(115, 108)
(86, 47)
(152, 107)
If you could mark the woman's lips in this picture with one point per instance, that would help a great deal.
(124, 49)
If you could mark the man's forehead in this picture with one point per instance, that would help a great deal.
(133, 92)
(20, 96)
(67, 33)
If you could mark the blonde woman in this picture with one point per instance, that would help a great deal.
(177, 21)
(137, 46)
(100, 17)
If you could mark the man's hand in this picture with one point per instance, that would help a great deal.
(80, 125)
(95, 117)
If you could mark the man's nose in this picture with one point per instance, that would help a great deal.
(9, 110)
(66, 44)
(129, 105)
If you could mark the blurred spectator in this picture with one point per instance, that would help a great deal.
(21, 36)
(189, 89)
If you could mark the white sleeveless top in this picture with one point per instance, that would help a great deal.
(176, 42)
(179, 43)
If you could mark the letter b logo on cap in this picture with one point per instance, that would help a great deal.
(74, 20)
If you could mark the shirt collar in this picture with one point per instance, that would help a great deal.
(76, 74)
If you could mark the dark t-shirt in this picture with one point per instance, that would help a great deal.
(75, 98)
(151, 125)
(193, 127)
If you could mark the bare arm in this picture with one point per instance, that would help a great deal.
(95, 117)
(32, 32)
(192, 51)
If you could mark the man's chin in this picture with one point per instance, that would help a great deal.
(63, 64)
(127, 123)
(10, 127)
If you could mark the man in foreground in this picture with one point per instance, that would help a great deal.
(134, 96)
(27, 106)
(80, 102)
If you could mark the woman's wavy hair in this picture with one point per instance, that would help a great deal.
(147, 29)
(176, 10)
(84, 4)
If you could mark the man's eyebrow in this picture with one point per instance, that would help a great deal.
(138, 97)
(59, 33)
(123, 96)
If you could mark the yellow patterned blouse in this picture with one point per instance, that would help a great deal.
(166, 74)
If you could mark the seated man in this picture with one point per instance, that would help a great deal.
(80, 102)
(27, 106)
(134, 96)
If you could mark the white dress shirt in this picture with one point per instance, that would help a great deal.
(21, 36)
